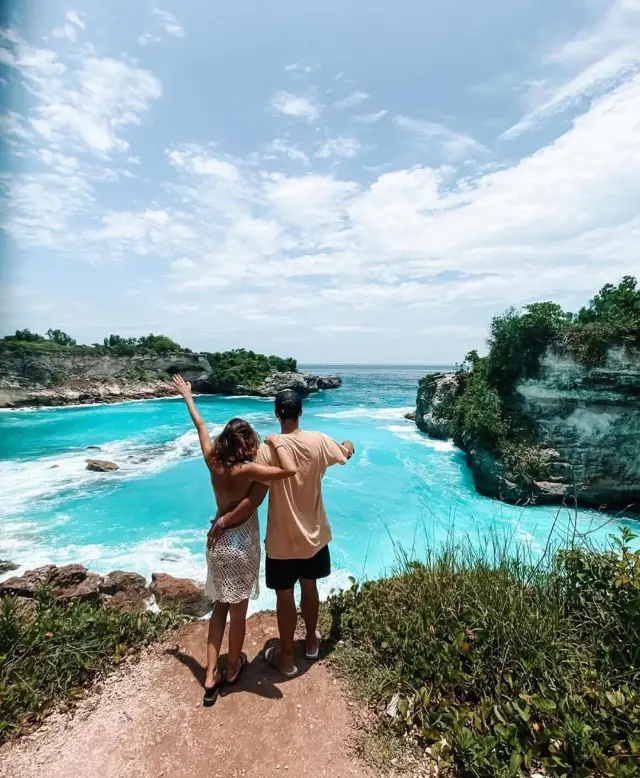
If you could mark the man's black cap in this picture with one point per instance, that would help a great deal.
(288, 404)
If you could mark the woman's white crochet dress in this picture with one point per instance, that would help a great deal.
(233, 564)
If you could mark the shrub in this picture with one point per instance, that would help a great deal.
(501, 666)
(231, 369)
(51, 653)
(480, 408)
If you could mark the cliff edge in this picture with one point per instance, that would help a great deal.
(31, 377)
(552, 413)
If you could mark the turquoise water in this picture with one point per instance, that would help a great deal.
(402, 489)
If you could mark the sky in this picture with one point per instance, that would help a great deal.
(339, 182)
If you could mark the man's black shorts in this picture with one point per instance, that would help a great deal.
(283, 574)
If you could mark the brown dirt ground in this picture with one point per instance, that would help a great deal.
(148, 722)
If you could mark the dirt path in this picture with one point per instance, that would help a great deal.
(149, 722)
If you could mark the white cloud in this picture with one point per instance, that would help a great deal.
(90, 104)
(101, 98)
(594, 61)
(371, 118)
(69, 30)
(76, 18)
(355, 98)
(282, 147)
(453, 145)
(164, 24)
(339, 147)
(295, 105)
(418, 246)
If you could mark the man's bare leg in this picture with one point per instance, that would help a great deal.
(310, 605)
(217, 624)
(287, 620)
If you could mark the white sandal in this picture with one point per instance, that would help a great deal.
(269, 655)
(316, 655)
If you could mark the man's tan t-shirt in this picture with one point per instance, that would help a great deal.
(297, 527)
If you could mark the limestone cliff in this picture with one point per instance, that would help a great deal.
(434, 391)
(50, 378)
(581, 424)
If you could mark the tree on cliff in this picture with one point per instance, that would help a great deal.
(26, 336)
(240, 367)
(151, 342)
(61, 338)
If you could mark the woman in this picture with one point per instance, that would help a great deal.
(233, 549)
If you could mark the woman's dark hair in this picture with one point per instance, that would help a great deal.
(238, 442)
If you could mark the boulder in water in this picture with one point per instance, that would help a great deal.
(180, 594)
(6, 566)
(101, 466)
(302, 383)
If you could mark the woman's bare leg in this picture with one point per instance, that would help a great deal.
(217, 624)
(237, 630)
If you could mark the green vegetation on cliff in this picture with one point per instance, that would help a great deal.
(58, 341)
(232, 369)
(478, 407)
(50, 652)
(502, 666)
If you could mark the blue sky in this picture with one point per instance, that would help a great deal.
(366, 182)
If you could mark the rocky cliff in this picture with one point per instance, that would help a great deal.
(434, 391)
(581, 424)
(35, 378)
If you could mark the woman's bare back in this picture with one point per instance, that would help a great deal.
(230, 485)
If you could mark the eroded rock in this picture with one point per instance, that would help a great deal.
(101, 466)
(434, 392)
(185, 596)
(6, 566)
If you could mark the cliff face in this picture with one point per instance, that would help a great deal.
(32, 378)
(584, 424)
(434, 391)
(588, 420)
(36, 378)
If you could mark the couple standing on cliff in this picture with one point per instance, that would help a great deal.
(290, 466)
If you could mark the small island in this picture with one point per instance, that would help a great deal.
(55, 370)
(552, 413)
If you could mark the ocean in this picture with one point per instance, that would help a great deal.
(401, 493)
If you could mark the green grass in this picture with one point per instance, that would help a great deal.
(499, 665)
(51, 652)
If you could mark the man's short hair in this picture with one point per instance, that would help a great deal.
(288, 405)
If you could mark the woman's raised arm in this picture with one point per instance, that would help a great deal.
(184, 388)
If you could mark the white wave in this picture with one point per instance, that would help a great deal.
(180, 554)
(414, 436)
(363, 412)
(26, 483)
(246, 397)
(70, 406)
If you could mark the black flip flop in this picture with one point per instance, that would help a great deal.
(211, 693)
(244, 661)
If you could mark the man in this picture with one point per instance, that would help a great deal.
(298, 532)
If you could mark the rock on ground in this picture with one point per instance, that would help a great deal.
(185, 596)
(149, 722)
(127, 590)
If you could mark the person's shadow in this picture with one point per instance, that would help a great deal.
(258, 677)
